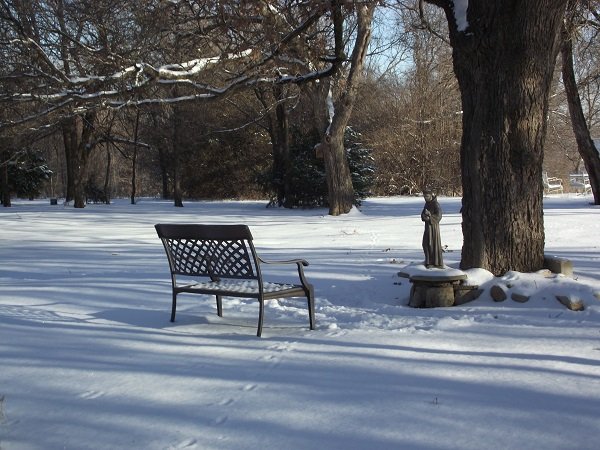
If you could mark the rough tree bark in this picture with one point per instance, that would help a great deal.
(4, 157)
(176, 142)
(503, 56)
(164, 173)
(107, 192)
(77, 135)
(279, 132)
(339, 180)
(585, 144)
(134, 158)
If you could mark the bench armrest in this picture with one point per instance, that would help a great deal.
(299, 263)
(288, 261)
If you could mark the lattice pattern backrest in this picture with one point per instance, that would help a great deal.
(208, 257)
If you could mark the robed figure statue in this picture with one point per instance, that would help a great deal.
(432, 243)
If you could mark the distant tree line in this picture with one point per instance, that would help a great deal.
(159, 137)
(304, 103)
(89, 84)
(209, 87)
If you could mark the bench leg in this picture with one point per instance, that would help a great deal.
(219, 306)
(311, 307)
(173, 306)
(261, 312)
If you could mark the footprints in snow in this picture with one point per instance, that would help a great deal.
(221, 409)
(187, 443)
(220, 420)
(226, 402)
(272, 360)
(336, 333)
(281, 347)
(249, 387)
(91, 395)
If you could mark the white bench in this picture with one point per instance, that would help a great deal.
(552, 185)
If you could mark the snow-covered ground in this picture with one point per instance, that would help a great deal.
(89, 359)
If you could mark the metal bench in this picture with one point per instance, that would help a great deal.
(221, 260)
(580, 182)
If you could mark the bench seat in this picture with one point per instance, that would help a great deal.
(243, 288)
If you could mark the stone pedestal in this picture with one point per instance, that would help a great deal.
(435, 290)
(558, 265)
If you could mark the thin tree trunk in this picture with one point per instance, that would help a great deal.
(283, 144)
(4, 157)
(278, 128)
(134, 158)
(585, 144)
(133, 175)
(107, 176)
(164, 173)
(163, 157)
(177, 197)
(71, 134)
(68, 146)
(504, 60)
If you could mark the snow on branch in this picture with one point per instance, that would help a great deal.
(195, 66)
(65, 74)
(460, 14)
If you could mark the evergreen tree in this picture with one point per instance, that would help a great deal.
(27, 174)
(307, 180)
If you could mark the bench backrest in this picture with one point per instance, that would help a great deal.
(216, 251)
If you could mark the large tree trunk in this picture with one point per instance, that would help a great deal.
(503, 60)
(340, 192)
(585, 144)
(339, 180)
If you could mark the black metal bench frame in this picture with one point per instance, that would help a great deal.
(221, 260)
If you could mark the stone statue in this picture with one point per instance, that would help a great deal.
(432, 243)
